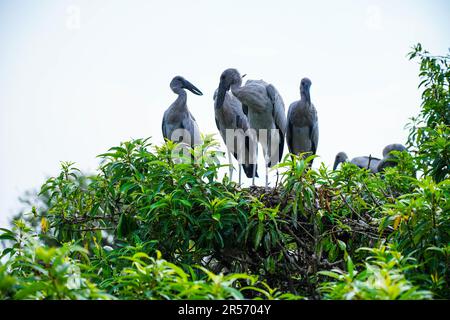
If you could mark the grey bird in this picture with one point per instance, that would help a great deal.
(264, 108)
(302, 133)
(229, 116)
(178, 124)
(388, 158)
(363, 162)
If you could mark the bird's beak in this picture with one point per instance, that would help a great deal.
(222, 90)
(243, 75)
(189, 86)
(336, 163)
(307, 94)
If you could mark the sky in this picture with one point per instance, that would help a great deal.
(79, 76)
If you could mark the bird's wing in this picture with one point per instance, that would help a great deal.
(384, 163)
(221, 129)
(254, 92)
(278, 114)
(363, 162)
(192, 117)
(245, 109)
(373, 165)
(314, 132)
(289, 134)
(164, 128)
(217, 124)
(250, 141)
(190, 125)
(360, 161)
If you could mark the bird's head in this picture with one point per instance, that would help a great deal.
(227, 79)
(340, 157)
(179, 82)
(305, 85)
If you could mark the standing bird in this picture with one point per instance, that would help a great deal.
(388, 158)
(264, 107)
(302, 123)
(178, 123)
(363, 162)
(229, 116)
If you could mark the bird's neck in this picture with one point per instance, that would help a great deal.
(180, 102)
(339, 160)
(305, 97)
(235, 87)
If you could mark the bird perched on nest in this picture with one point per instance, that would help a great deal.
(178, 123)
(363, 162)
(264, 107)
(374, 164)
(302, 133)
(233, 126)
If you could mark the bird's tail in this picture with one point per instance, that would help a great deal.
(248, 169)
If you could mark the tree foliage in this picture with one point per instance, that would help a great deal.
(430, 130)
(151, 226)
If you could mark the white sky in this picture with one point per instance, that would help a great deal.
(71, 86)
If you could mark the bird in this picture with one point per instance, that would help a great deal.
(392, 147)
(264, 107)
(302, 133)
(363, 162)
(388, 157)
(178, 123)
(233, 126)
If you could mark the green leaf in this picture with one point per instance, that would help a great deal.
(259, 234)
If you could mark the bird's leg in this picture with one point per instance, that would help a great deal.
(266, 151)
(276, 183)
(240, 173)
(254, 167)
(370, 160)
(231, 165)
(267, 175)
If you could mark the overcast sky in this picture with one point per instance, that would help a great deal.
(78, 77)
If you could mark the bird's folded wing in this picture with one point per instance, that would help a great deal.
(279, 116)
(278, 111)
(314, 137)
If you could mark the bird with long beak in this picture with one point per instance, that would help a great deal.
(389, 159)
(264, 107)
(233, 126)
(178, 123)
(363, 162)
(302, 123)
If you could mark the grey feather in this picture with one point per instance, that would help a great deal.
(303, 123)
(264, 108)
(231, 116)
(365, 162)
(362, 162)
(389, 160)
(178, 116)
(279, 116)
